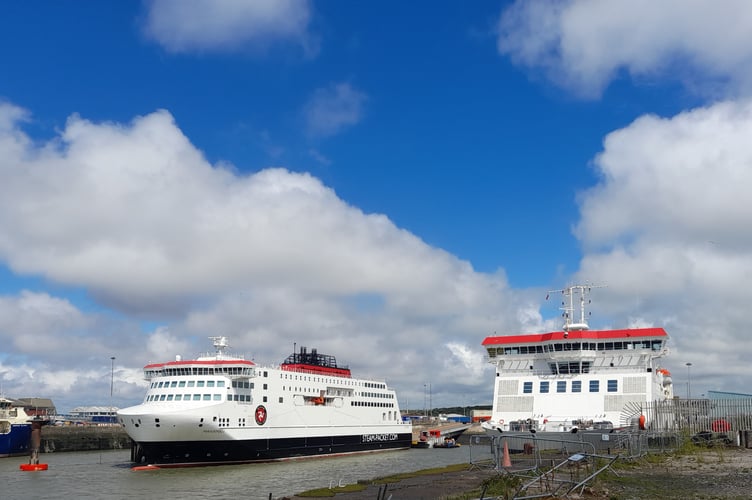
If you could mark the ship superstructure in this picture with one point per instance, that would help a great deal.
(221, 409)
(577, 378)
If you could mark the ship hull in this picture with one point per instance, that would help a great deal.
(15, 442)
(222, 452)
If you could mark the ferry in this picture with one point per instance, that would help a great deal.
(224, 409)
(15, 429)
(576, 379)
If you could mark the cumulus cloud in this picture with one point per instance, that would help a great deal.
(53, 349)
(584, 44)
(135, 215)
(221, 25)
(667, 228)
(334, 108)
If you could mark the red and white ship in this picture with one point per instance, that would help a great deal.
(222, 409)
(576, 379)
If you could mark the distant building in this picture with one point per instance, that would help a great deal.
(94, 414)
(38, 407)
(728, 395)
(454, 417)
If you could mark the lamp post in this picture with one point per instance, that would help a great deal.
(689, 382)
(112, 382)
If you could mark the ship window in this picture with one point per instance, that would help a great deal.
(544, 387)
(539, 349)
(612, 386)
(174, 383)
(576, 386)
(162, 397)
(197, 397)
(217, 397)
(265, 387)
(220, 383)
(169, 397)
(264, 399)
(207, 397)
(209, 383)
(200, 383)
(229, 397)
(594, 386)
(186, 397)
(191, 383)
(561, 386)
(280, 399)
(160, 385)
(266, 374)
(657, 345)
(182, 383)
(178, 397)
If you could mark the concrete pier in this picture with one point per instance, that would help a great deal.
(83, 438)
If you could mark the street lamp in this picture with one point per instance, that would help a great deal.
(112, 381)
(689, 382)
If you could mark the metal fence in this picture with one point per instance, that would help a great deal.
(699, 415)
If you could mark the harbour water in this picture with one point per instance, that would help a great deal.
(108, 474)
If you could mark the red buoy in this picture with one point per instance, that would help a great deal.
(33, 467)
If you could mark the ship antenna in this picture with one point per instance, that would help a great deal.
(568, 306)
(220, 344)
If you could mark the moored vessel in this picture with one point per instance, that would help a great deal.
(223, 409)
(577, 379)
(15, 429)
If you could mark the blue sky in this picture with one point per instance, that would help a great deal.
(389, 182)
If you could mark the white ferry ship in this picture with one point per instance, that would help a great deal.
(223, 409)
(576, 379)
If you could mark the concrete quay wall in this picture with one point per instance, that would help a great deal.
(83, 438)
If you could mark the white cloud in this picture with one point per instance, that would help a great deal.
(667, 229)
(222, 25)
(135, 215)
(331, 109)
(584, 44)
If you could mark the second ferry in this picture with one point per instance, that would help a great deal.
(576, 379)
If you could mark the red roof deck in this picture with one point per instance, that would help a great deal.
(534, 338)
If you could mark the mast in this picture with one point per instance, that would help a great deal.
(568, 306)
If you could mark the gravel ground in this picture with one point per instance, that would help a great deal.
(706, 474)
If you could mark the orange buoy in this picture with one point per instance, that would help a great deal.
(33, 467)
(642, 422)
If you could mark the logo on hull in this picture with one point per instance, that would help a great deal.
(260, 415)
